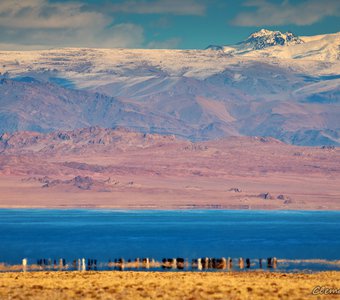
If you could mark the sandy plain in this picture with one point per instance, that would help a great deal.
(172, 285)
(104, 168)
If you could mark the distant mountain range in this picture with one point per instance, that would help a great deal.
(272, 84)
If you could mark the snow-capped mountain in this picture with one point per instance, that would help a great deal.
(289, 90)
(267, 43)
(266, 38)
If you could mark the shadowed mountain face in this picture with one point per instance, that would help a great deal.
(194, 94)
(43, 107)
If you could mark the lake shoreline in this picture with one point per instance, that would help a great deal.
(161, 208)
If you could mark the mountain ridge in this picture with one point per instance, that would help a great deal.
(288, 92)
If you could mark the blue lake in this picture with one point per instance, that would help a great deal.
(109, 234)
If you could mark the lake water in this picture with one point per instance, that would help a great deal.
(109, 234)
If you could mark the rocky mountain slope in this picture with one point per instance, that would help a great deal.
(89, 140)
(272, 84)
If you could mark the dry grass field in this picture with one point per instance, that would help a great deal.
(172, 285)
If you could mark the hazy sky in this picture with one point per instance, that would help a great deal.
(36, 24)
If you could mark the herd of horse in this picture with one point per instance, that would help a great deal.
(200, 264)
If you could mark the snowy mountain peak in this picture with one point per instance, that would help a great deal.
(262, 32)
(266, 38)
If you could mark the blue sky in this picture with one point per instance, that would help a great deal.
(185, 24)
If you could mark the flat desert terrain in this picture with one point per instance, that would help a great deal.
(106, 168)
(172, 285)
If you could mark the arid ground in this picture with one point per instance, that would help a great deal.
(105, 168)
(172, 285)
